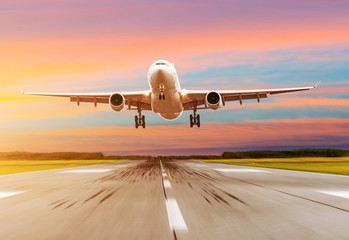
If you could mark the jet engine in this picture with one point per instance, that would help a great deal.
(213, 100)
(117, 102)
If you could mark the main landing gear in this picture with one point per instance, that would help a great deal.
(140, 119)
(194, 119)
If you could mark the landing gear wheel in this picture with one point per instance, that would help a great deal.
(139, 119)
(195, 118)
(143, 121)
(161, 96)
(136, 122)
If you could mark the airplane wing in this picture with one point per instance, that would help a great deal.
(196, 98)
(132, 99)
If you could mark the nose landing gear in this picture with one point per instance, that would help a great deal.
(162, 89)
(161, 96)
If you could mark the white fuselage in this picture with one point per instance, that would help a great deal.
(165, 90)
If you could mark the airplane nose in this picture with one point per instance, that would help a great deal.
(159, 76)
(159, 72)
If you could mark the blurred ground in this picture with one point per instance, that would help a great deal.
(173, 200)
(18, 166)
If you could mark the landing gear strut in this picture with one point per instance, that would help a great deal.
(194, 119)
(140, 119)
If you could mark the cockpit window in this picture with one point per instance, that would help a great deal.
(160, 63)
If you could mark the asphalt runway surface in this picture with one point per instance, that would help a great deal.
(173, 200)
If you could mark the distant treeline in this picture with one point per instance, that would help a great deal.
(50, 156)
(287, 154)
(225, 155)
(138, 157)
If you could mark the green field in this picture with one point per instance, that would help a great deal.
(338, 165)
(17, 166)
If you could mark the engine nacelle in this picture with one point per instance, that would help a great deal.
(117, 102)
(213, 100)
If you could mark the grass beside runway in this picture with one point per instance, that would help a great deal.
(18, 166)
(315, 164)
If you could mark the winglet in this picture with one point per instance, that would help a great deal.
(20, 89)
(315, 86)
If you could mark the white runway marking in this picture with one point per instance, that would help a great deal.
(87, 171)
(175, 217)
(9, 193)
(167, 183)
(164, 174)
(238, 170)
(339, 193)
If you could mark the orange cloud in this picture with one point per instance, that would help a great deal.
(35, 58)
(301, 132)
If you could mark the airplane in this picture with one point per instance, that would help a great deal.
(166, 98)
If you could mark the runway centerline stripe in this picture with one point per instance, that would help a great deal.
(239, 170)
(167, 183)
(87, 171)
(337, 193)
(4, 194)
(175, 217)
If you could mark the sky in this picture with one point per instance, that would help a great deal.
(108, 45)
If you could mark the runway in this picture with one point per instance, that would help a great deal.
(173, 200)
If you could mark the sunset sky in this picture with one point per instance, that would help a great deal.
(108, 45)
